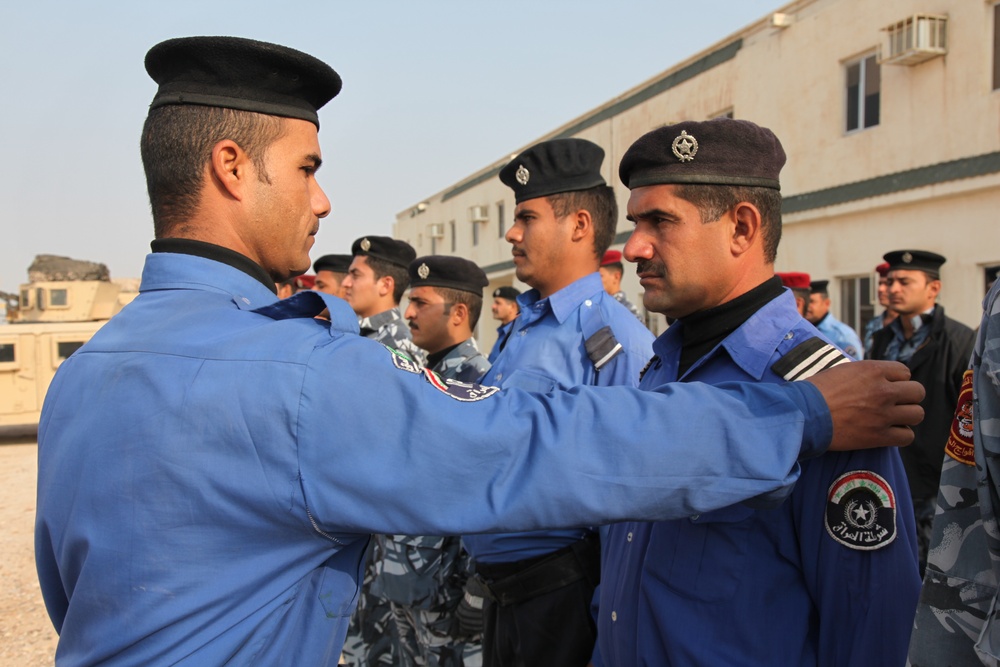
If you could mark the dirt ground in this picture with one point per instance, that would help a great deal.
(27, 638)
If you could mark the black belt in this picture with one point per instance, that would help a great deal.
(544, 574)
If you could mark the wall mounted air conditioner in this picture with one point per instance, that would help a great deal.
(914, 40)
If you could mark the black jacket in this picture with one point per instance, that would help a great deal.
(938, 365)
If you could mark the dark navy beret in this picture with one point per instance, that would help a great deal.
(914, 260)
(721, 151)
(243, 74)
(391, 250)
(335, 263)
(818, 286)
(553, 167)
(506, 292)
(447, 271)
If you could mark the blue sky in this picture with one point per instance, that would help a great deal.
(433, 91)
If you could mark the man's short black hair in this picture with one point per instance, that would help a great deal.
(603, 207)
(400, 276)
(176, 147)
(472, 302)
(713, 201)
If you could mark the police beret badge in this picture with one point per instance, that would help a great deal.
(685, 147)
(423, 271)
(861, 511)
(366, 245)
(522, 175)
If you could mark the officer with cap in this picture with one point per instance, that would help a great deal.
(936, 349)
(423, 577)
(570, 332)
(330, 273)
(611, 275)
(374, 286)
(835, 561)
(798, 284)
(818, 313)
(887, 315)
(505, 309)
(212, 462)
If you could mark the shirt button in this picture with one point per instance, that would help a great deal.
(695, 517)
(522, 332)
(629, 537)
(246, 301)
(499, 376)
(614, 616)
(588, 303)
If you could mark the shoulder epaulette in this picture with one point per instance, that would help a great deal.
(602, 346)
(808, 358)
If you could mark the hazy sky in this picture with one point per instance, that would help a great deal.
(433, 91)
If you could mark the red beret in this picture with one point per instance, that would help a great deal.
(882, 269)
(794, 280)
(610, 257)
(305, 282)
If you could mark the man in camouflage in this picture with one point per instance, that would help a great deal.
(956, 623)
(374, 285)
(422, 577)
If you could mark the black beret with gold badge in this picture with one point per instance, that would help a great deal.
(553, 167)
(447, 271)
(389, 249)
(721, 151)
(915, 260)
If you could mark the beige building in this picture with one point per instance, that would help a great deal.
(889, 112)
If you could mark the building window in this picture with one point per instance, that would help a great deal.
(990, 273)
(58, 297)
(864, 82)
(857, 301)
(996, 46)
(501, 222)
(475, 233)
(451, 227)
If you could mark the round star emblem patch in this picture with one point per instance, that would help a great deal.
(861, 511)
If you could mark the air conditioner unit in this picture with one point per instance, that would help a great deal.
(779, 20)
(436, 230)
(914, 40)
(478, 214)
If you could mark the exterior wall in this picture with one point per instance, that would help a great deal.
(927, 176)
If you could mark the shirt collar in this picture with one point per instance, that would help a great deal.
(564, 302)
(217, 253)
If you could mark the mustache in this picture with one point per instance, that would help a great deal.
(648, 266)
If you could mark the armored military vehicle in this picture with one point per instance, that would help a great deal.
(63, 304)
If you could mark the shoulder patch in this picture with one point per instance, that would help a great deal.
(861, 511)
(808, 358)
(960, 445)
(403, 362)
(602, 347)
(460, 391)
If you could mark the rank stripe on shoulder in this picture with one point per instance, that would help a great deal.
(808, 358)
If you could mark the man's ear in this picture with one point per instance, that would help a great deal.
(746, 227)
(583, 224)
(386, 285)
(230, 168)
(459, 313)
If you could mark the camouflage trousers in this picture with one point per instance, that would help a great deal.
(369, 640)
(425, 639)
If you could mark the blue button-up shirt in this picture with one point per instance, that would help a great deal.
(546, 350)
(842, 336)
(754, 586)
(212, 462)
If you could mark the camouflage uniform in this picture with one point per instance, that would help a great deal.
(370, 639)
(389, 329)
(465, 363)
(422, 578)
(623, 300)
(956, 623)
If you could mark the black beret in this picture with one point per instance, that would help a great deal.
(817, 286)
(391, 250)
(335, 263)
(553, 167)
(914, 260)
(506, 292)
(243, 74)
(721, 151)
(446, 271)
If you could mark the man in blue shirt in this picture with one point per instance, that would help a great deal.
(839, 333)
(212, 463)
(828, 577)
(505, 309)
(570, 332)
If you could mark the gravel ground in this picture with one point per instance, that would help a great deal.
(27, 638)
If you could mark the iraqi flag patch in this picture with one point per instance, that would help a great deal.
(861, 511)
(460, 391)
